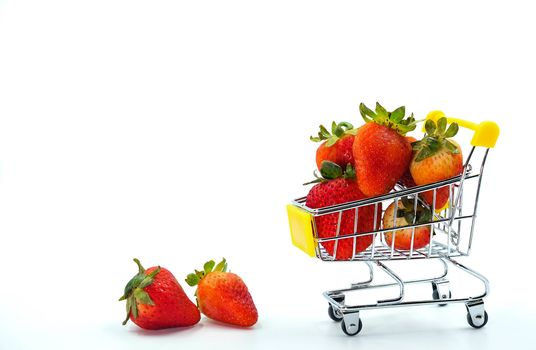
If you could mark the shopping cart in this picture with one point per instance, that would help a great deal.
(451, 236)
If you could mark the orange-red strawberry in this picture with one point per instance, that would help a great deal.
(337, 145)
(223, 296)
(381, 152)
(405, 215)
(436, 158)
(334, 188)
(155, 300)
(442, 193)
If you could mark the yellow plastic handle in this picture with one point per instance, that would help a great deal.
(486, 132)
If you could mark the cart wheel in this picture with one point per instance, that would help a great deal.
(435, 295)
(443, 287)
(353, 328)
(334, 314)
(470, 320)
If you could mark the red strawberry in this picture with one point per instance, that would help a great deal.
(405, 215)
(337, 147)
(436, 158)
(334, 188)
(381, 152)
(223, 296)
(155, 300)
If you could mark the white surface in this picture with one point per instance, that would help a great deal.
(176, 132)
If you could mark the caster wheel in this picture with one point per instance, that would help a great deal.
(470, 320)
(334, 314)
(354, 329)
(435, 295)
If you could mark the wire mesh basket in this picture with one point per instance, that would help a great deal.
(452, 226)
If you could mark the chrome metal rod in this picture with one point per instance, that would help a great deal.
(476, 201)
(371, 277)
(346, 308)
(472, 272)
(398, 281)
(366, 284)
(337, 235)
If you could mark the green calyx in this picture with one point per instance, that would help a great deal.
(134, 292)
(193, 278)
(436, 139)
(337, 132)
(331, 171)
(394, 120)
(413, 215)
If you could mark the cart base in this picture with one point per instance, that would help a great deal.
(348, 315)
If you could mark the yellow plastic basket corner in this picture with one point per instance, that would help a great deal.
(301, 229)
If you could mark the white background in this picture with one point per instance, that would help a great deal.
(177, 132)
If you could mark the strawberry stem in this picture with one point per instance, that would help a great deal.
(140, 267)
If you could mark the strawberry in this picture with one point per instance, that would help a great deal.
(405, 215)
(223, 296)
(337, 146)
(436, 158)
(337, 187)
(155, 300)
(381, 152)
(442, 194)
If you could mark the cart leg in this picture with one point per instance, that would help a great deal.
(398, 281)
(351, 323)
(477, 316)
(472, 272)
(367, 282)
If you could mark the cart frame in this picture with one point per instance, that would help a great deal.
(451, 236)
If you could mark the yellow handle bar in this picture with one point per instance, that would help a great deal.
(486, 132)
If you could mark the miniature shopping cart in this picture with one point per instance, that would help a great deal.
(451, 236)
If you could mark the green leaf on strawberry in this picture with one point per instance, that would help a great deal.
(413, 213)
(452, 130)
(394, 120)
(398, 114)
(209, 265)
(134, 292)
(436, 139)
(222, 266)
(338, 130)
(332, 171)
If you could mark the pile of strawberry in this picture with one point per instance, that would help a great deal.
(156, 300)
(358, 163)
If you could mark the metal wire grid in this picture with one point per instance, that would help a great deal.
(445, 238)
